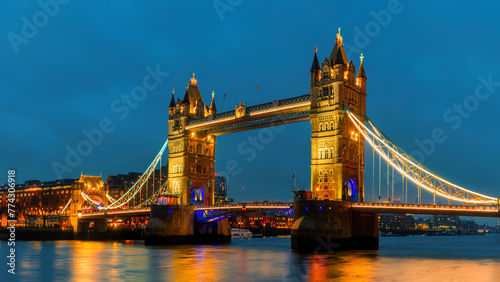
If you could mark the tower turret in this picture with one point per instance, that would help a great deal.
(186, 103)
(315, 68)
(171, 107)
(213, 108)
(361, 78)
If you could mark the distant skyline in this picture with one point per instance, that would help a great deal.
(73, 72)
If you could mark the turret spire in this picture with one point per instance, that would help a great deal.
(172, 101)
(361, 71)
(213, 108)
(315, 64)
(185, 100)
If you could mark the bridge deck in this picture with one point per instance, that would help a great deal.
(113, 213)
(146, 211)
(485, 211)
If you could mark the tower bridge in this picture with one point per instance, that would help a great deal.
(334, 208)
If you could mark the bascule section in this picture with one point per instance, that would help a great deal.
(337, 150)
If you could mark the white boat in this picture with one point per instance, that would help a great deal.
(240, 233)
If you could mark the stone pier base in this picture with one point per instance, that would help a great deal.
(325, 226)
(175, 224)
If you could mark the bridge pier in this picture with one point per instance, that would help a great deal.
(78, 225)
(323, 225)
(176, 224)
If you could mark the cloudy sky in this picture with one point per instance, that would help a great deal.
(66, 69)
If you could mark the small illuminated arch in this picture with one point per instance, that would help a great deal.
(350, 189)
(197, 196)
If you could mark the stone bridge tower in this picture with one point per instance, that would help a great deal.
(93, 187)
(337, 149)
(190, 153)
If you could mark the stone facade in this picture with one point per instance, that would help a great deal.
(337, 150)
(191, 154)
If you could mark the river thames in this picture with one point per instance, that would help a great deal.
(412, 258)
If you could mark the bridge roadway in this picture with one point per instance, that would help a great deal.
(484, 211)
(146, 211)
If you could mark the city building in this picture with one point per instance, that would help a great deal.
(39, 203)
(261, 219)
(220, 191)
(396, 222)
(119, 184)
(444, 222)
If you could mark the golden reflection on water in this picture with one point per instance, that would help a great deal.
(195, 263)
(35, 251)
(86, 258)
(265, 260)
(346, 267)
(437, 269)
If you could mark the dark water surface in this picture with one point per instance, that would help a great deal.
(412, 258)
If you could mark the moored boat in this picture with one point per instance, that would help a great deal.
(237, 233)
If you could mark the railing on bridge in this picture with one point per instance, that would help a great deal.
(427, 209)
(108, 213)
(245, 205)
(206, 213)
(218, 120)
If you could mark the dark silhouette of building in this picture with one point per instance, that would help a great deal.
(220, 191)
(396, 222)
(118, 185)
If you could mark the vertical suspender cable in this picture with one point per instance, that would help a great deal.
(373, 176)
(379, 177)
(392, 196)
(402, 187)
(434, 184)
(388, 196)
(406, 188)
(161, 180)
(418, 200)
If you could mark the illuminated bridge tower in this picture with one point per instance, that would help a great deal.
(94, 195)
(337, 151)
(190, 154)
(337, 161)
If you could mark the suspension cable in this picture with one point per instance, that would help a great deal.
(373, 176)
(379, 178)
(416, 172)
(139, 184)
(392, 180)
(388, 197)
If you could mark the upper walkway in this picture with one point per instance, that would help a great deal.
(278, 112)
